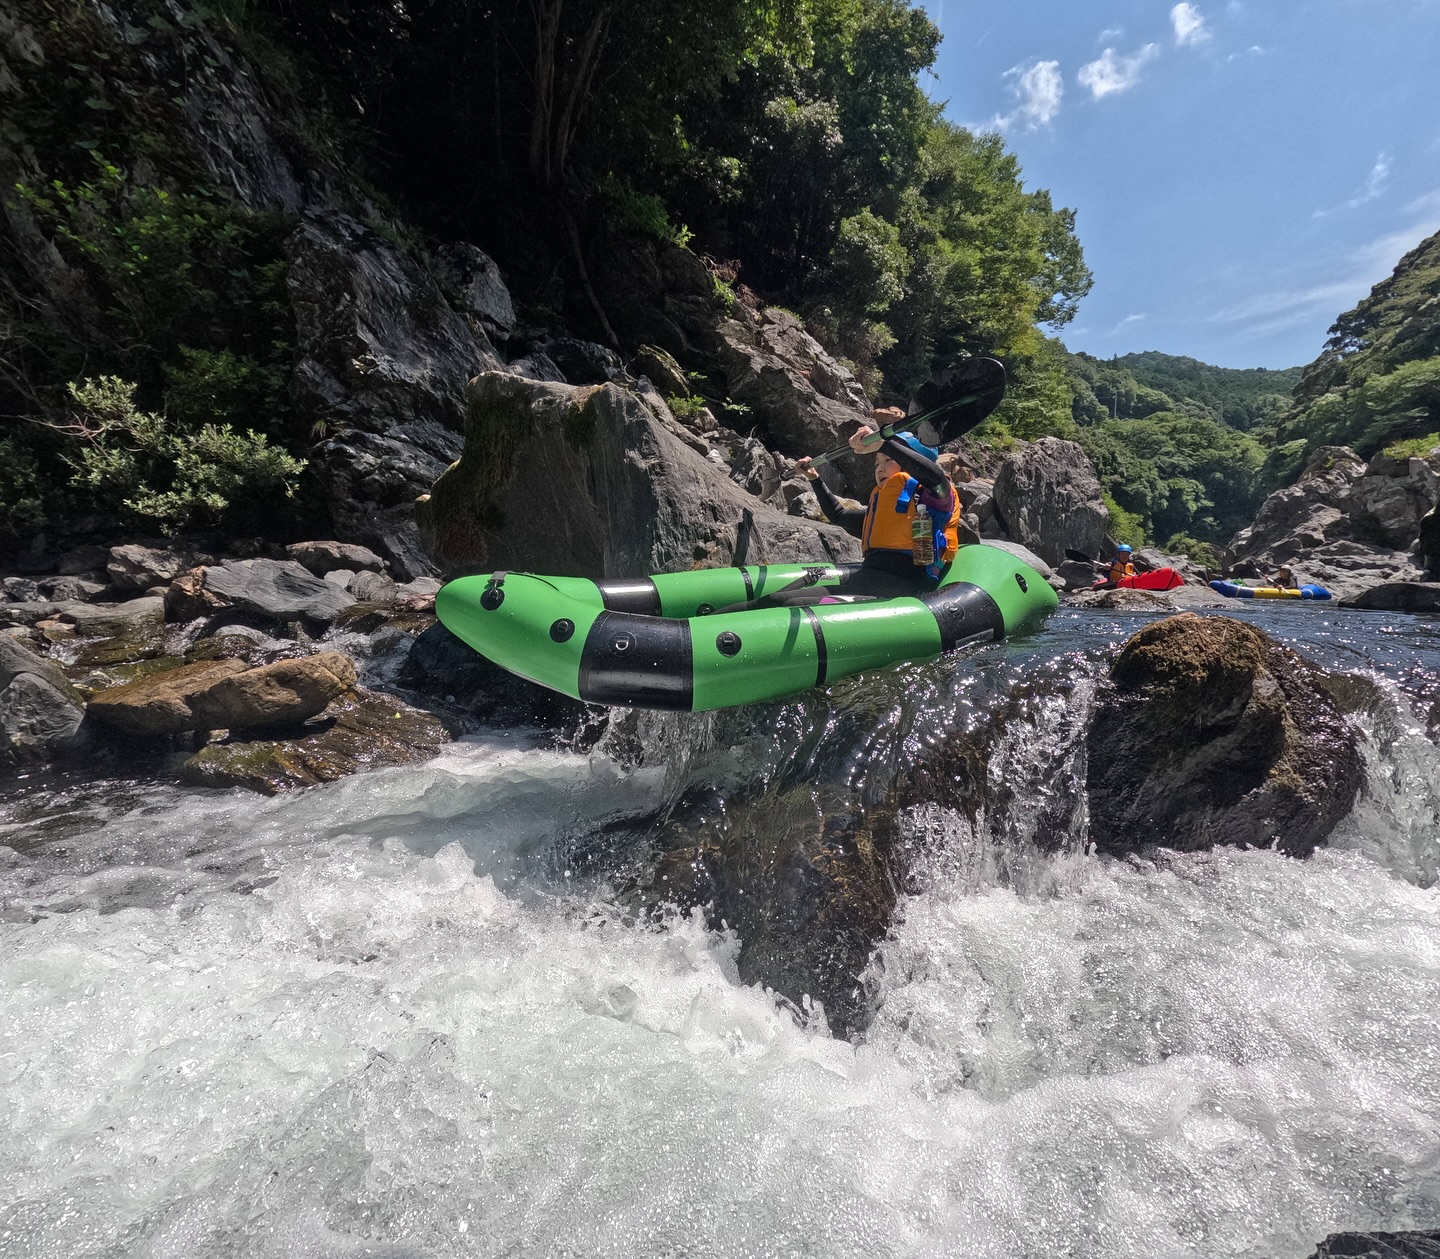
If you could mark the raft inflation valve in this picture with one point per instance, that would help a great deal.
(562, 630)
(728, 643)
(492, 598)
(1022, 583)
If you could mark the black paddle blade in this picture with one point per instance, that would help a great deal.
(955, 400)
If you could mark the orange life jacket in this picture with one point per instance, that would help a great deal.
(889, 529)
(1119, 570)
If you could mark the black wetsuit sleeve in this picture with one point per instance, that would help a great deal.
(851, 519)
(924, 470)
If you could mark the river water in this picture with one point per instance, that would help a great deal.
(398, 1017)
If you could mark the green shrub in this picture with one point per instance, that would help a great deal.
(137, 461)
(640, 212)
(219, 386)
(1203, 553)
(683, 408)
(22, 493)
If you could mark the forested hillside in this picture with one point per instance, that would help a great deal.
(147, 309)
(1378, 380)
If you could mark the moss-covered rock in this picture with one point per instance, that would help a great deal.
(360, 731)
(1212, 732)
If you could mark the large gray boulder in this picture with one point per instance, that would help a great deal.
(473, 284)
(593, 482)
(1398, 596)
(1213, 733)
(40, 712)
(1305, 516)
(1048, 496)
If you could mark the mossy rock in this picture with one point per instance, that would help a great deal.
(360, 731)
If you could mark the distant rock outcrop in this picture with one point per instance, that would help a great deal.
(1216, 734)
(1346, 524)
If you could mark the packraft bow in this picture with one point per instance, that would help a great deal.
(1233, 590)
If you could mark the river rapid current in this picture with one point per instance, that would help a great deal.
(407, 1014)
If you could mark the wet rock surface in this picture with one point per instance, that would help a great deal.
(275, 694)
(40, 711)
(1214, 733)
(360, 731)
(1398, 596)
(160, 704)
(1411, 1245)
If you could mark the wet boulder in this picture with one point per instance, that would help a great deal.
(802, 874)
(276, 694)
(1423, 1244)
(1213, 733)
(160, 704)
(40, 712)
(359, 731)
(134, 630)
(1048, 496)
(1398, 596)
(1429, 544)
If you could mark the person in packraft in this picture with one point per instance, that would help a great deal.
(908, 529)
(1120, 566)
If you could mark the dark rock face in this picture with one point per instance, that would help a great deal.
(591, 481)
(40, 712)
(141, 567)
(1398, 596)
(281, 589)
(1048, 496)
(383, 358)
(1430, 542)
(1414, 1245)
(1216, 734)
(359, 731)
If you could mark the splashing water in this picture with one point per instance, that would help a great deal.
(392, 1018)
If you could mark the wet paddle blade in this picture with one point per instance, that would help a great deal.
(955, 400)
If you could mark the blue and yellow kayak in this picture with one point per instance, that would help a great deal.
(659, 642)
(1233, 590)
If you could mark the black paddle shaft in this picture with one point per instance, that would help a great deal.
(950, 405)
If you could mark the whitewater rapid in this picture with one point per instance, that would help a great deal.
(388, 1018)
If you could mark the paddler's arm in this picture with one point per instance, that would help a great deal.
(851, 519)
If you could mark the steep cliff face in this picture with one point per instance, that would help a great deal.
(377, 357)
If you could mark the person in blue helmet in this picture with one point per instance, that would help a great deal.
(1120, 566)
(908, 530)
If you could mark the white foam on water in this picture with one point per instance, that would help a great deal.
(408, 1041)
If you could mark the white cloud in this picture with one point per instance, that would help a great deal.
(1189, 25)
(1114, 73)
(1038, 89)
(1373, 187)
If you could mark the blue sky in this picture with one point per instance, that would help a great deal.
(1243, 170)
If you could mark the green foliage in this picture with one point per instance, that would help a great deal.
(1125, 526)
(684, 408)
(1414, 448)
(1246, 398)
(1179, 473)
(869, 261)
(642, 213)
(140, 462)
(1203, 553)
(1377, 382)
(22, 493)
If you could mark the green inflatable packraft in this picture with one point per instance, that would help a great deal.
(658, 642)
